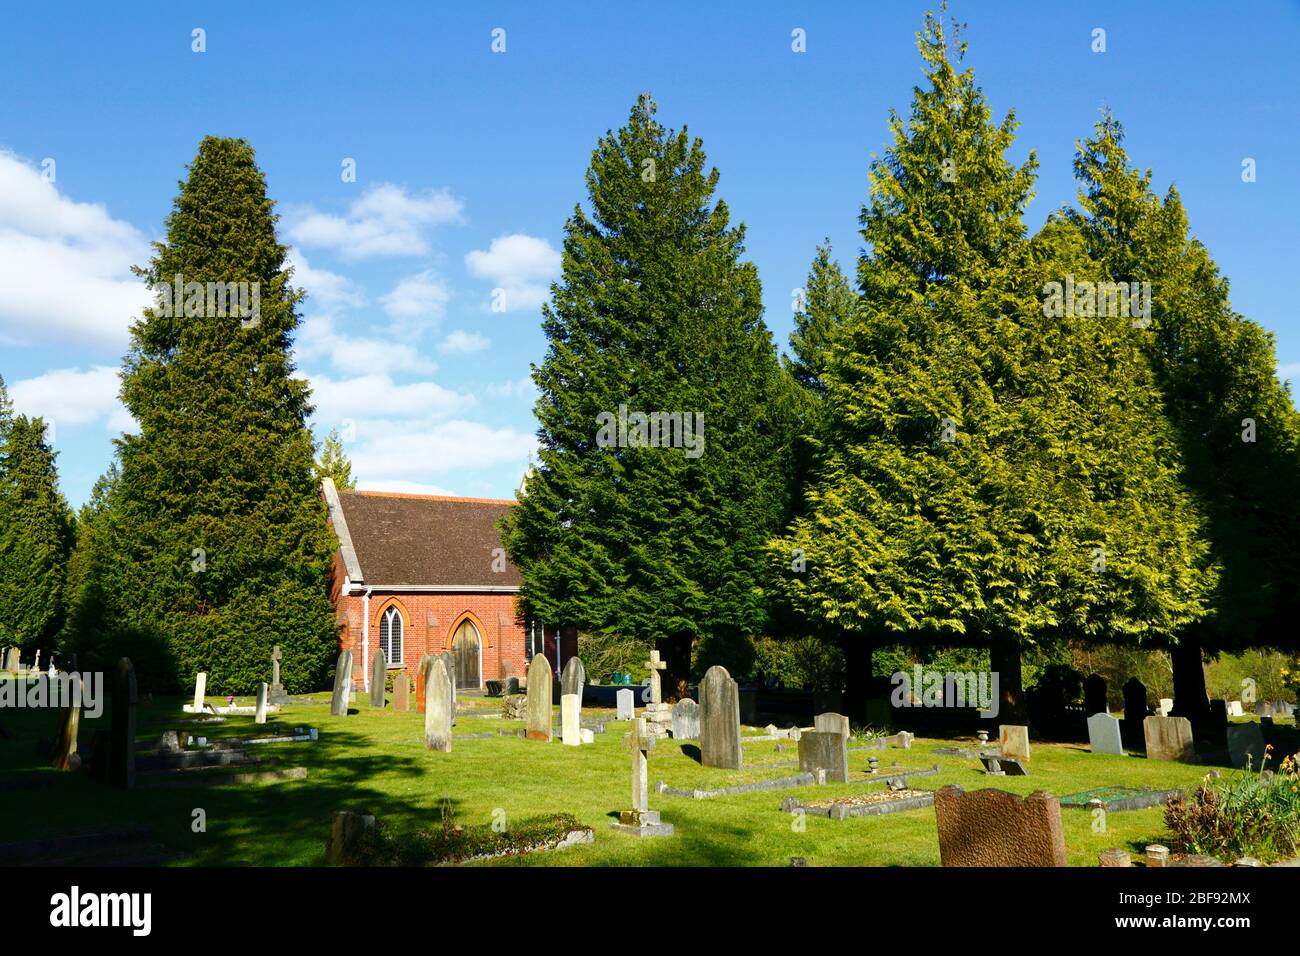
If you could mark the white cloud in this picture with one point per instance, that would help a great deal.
(377, 396)
(462, 343)
(69, 397)
(520, 266)
(522, 387)
(416, 303)
(64, 265)
(385, 221)
(410, 450)
(357, 355)
(327, 292)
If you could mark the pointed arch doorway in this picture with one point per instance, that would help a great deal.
(467, 653)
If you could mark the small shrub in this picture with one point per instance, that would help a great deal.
(1242, 814)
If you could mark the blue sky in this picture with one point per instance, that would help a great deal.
(468, 162)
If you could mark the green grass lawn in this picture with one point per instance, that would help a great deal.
(376, 762)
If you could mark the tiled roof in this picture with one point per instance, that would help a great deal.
(405, 540)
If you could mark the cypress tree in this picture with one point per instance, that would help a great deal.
(334, 463)
(220, 543)
(35, 537)
(655, 312)
(828, 304)
(1236, 426)
(979, 482)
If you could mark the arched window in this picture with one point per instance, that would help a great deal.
(390, 636)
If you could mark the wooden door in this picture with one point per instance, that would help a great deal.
(465, 650)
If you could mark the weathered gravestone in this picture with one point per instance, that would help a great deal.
(378, 674)
(1246, 740)
(437, 707)
(342, 685)
(449, 662)
(259, 715)
(420, 670)
(1013, 740)
(686, 720)
(640, 820)
(200, 691)
(625, 702)
(719, 720)
(1103, 735)
(832, 723)
(1166, 706)
(512, 685)
(825, 750)
(571, 719)
(573, 679)
(15, 661)
(996, 828)
(277, 693)
(1235, 709)
(539, 698)
(1094, 695)
(401, 693)
(121, 771)
(1169, 738)
(658, 715)
(65, 739)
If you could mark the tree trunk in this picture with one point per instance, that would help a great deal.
(1190, 697)
(857, 675)
(675, 651)
(1004, 659)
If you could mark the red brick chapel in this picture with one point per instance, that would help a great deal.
(423, 574)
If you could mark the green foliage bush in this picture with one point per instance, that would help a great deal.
(1244, 814)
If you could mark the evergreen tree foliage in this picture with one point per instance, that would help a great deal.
(334, 462)
(655, 311)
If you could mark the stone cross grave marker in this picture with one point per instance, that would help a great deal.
(719, 720)
(641, 820)
(378, 674)
(658, 715)
(540, 676)
(260, 715)
(1103, 735)
(277, 694)
(437, 707)
(625, 701)
(342, 685)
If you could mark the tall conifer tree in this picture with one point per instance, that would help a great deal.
(220, 543)
(656, 312)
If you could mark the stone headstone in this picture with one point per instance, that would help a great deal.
(449, 662)
(437, 707)
(625, 702)
(996, 828)
(277, 693)
(719, 720)
(36, 661)
(1235, 709)
(1013, 740)
(686, 720)
(200, 691)
(1169, 738)
(1166, 706)
(1103, 735)
(401, 693)
(512, 685)
(342, 685)
(827, 751)
(571, 718)
(573, 679)
(349, 832)
(832, 723)
(420, 670)
(1094, 695)
(14, 661)
(1243, 740)
(65, 739)
(998, 766)
(1115, 856)
(378, 675)
(259, 716)
(540, 676)
(121, 771)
